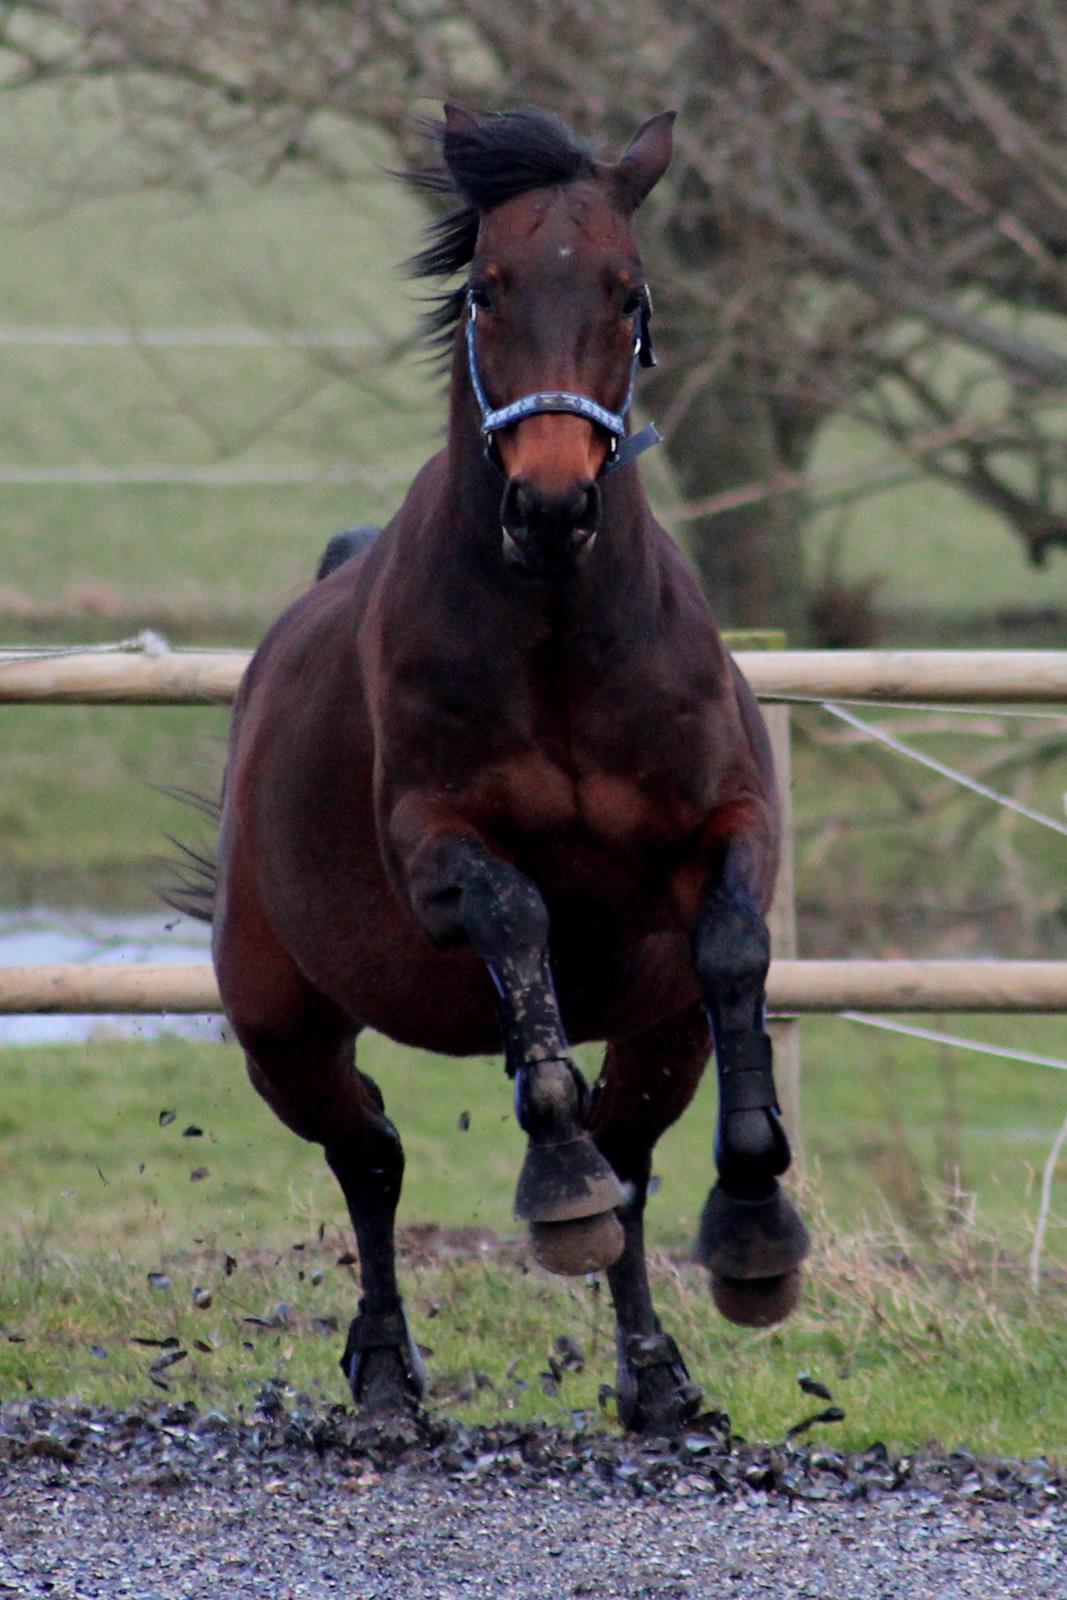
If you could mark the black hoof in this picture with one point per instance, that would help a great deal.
(562, 1182)
(757, 1302)
(654, 1391)
(588, 1244)
(382, 1363)
(759, 1238)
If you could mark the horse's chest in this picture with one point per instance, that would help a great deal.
(593, 806)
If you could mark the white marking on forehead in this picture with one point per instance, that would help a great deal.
(565, 250)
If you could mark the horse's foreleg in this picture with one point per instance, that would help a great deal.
(464, 894)
(646, 1083)
(751, 1239)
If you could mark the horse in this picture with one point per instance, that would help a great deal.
(494, 782)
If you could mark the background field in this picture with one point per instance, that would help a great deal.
(213, 564)
(921, 1164)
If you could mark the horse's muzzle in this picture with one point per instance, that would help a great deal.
(549, 534)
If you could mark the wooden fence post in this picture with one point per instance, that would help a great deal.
(782, 920)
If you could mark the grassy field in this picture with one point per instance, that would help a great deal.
(917, 1313)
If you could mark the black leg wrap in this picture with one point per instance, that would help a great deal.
(653, 1388)
(746, 1071)
(751, 1148)
(551, 1097)
(381, 1360)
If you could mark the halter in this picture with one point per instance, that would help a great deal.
(625, 447)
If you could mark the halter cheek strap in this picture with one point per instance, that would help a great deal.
(625, 447)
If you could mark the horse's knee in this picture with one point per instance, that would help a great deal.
(461, 893)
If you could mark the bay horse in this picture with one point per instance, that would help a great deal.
(494, 779)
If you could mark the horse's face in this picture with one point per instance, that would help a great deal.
(558, 288)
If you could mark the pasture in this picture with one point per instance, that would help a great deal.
(922, 1165)
(921, 1180)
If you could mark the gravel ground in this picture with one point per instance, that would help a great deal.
(162, 1504)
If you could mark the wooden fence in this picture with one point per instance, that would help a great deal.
(122, 677)
(210, 677)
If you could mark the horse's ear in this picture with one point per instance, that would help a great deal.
(460, 126)
(643, 162)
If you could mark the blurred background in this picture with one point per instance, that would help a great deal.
(858, 256)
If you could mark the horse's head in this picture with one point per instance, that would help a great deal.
(556, 322)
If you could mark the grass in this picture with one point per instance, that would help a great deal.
(892, 859)
(917, 1314)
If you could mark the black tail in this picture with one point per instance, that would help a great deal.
(190, 883)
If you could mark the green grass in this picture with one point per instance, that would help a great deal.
(917, 1313)
(82, 817)
(892, 859)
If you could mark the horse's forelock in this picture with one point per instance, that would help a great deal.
(486, 163)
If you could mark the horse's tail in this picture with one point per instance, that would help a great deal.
(189, 886)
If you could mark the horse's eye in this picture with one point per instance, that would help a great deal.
(479, 298)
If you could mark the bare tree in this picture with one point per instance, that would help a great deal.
(867, 213)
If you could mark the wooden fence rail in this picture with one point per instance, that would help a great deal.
(191, 677)
(210, 677)
(794, 987)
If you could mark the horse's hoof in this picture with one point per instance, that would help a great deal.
(382, 1363)
(758, 1239)
(562, 1182)
(653, 1389)
(756, 1302)
(585, 1244)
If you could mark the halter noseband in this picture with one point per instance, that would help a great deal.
(624, 446)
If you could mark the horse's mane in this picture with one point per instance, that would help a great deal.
(500, 158)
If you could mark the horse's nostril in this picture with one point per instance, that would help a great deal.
(516, 509)
(589, 518)
(526, 509)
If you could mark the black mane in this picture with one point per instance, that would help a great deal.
(505, 156)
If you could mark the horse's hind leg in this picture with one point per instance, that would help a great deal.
(309, 1078)
(751, 1239)
(646, 1083)
(300, 1049)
